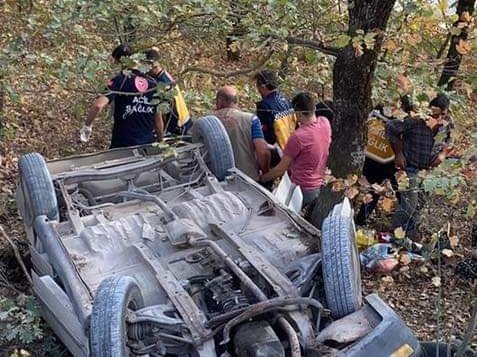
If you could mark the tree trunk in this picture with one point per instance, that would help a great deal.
(352, 79)
(234, 15)
(454, 58)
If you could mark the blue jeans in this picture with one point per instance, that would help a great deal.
(309, 196)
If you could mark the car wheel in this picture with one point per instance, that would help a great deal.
(108, 329)
(340, 264)
(210, 131)
(37, 186)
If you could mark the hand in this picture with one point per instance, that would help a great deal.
(85, 133)
(400, 161)
(432, 123)
(438, 159)
(262, 178)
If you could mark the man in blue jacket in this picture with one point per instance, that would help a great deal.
(135, 113)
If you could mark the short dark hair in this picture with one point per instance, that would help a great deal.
(406, 103)
(304, 102)
(441, 101)
(266, 78)
(152, 54)
(122, 50)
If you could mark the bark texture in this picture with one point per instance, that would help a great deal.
(454, 58)
(352, 79)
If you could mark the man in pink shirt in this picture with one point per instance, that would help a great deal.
(306, 152)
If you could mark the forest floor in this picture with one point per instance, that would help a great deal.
(40, 124)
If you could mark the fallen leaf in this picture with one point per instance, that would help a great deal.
(415, 38)
(404, 83)
(424, 270)
(436, 281)
(402, 180)
(463, 47)
(399, 233)
(367, 198)
(405, 270)
(378, 188)
(454, 241)
(358, 50)
(363, 182)
(351, 180)
(387, 279)
(465, 16)
(387, 204)
(351, 192)
(338, 186)
(390, 45)
(447, 253)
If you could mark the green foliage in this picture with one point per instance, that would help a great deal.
(20, 321)
(443, 183)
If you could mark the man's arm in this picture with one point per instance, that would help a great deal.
(98, 105)
(266, 117)
(159, 125)
(263, 154)
(443, 141)
(394, 132)
(260, 146)
(278, 170)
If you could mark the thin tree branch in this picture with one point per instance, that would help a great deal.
(316, 45)
(16, 252)
(229, 74)
(443, 47)
(285, 65)
(118, 30)
(181, 19)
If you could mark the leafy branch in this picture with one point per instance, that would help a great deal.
(316, 45)
(229, 74)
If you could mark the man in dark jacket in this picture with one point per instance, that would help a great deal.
(272, 107)
(135, 113)
(414, 142)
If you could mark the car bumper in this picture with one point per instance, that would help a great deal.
(389, 336)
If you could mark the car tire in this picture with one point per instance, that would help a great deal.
(210, 131)
(108, 330)
(37, 186)
(340, 264)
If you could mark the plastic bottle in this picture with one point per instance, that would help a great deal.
(85, 133)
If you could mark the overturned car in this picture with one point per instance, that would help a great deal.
(169, 250)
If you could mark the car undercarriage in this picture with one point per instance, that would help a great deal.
(169, 250)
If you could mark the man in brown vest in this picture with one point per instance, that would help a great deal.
(245, 132)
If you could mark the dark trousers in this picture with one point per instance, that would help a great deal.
(374, 172)
(274, 160)
(407, 212)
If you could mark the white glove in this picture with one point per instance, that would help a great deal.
(85, 133)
